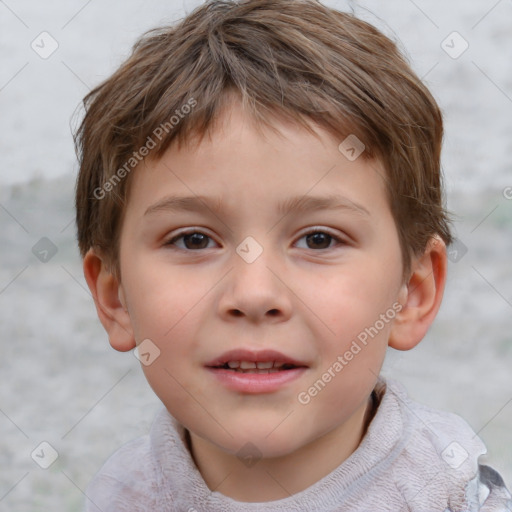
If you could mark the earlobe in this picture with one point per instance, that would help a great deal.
(110, 301)
(420, 296)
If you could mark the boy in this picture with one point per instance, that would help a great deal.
(212, 163)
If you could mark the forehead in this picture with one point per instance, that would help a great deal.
(239, 159)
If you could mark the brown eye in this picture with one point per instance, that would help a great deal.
(196, 241)
(191, 241)
(318, 240)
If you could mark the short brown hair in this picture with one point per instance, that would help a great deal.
(292, 59)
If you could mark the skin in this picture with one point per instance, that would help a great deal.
(308, 297)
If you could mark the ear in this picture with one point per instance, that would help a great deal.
(420, 296)
(110, 302)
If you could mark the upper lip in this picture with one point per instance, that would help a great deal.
(259, 356)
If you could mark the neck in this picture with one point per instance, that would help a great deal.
(277, 478)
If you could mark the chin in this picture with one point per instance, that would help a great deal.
(258, 443)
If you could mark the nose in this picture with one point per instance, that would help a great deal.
(254, 292)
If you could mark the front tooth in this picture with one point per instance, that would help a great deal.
(245, 365)
(265, 366)
(234, 364)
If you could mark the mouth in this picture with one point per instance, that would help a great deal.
(246, 371)
(263, 367)
(248, 361)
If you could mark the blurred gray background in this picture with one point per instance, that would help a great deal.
(61, 383)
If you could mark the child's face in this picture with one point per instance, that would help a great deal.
(307, 297)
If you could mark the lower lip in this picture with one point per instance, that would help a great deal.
(256, 382)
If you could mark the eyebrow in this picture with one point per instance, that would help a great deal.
(299, 204)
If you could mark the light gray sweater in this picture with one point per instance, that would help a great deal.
(412, 459)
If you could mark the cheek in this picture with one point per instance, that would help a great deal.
(173, 373)
(159, 298)
(169, 308)
(351, 300)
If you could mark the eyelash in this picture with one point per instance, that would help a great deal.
(172, 241)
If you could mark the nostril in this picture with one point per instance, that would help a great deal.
(239, 313)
